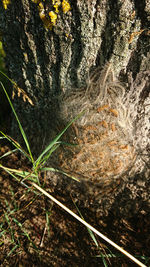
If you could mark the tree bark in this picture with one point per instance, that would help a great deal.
(56, 64)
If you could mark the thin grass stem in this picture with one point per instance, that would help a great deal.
(20, 126)
(89, 226)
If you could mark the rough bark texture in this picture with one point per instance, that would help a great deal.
(47, 63)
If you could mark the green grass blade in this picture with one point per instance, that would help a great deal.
(43, 161)
(8, 153)
(2, 137)
(15, 177)
(17, 222)
(20, 126)
(17, 172)
(25, 233)
(68, 144)
(93, 238)
(8, 170)
(10, 228)
(23, 174)
(59, 171)
(37, 162)
(2, 233)
(104, 261)
(7, 77)
(12, 250)
(16, 145)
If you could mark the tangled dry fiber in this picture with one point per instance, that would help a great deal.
(103, 136)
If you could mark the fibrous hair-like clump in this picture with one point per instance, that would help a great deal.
(102, 136)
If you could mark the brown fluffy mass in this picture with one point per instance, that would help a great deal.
(103, 141)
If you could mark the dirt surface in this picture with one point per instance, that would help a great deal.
(36, 232)
(27, 239)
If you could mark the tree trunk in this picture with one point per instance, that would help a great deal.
(73, 63)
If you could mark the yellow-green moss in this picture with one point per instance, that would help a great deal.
(50, 20)
(65, 6)
(53, 17)
(6, 3)
(56, 5)
(2, 55)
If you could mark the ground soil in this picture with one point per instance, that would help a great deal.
(27, 240)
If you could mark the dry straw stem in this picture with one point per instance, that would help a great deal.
(89, 226)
